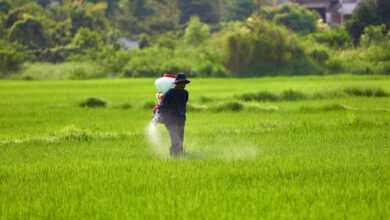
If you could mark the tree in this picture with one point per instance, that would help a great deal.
(369, 12)
(208, 11)
(139, 8)
(262, 47)
(28, 32)
(384, 11)
(80, 18)
(87, 39)
(44, 3)
(240, 9)
(5, 6)
(364, 15)
(112, 7)
(293, 16)
(196, 32)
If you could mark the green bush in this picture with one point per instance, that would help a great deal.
(374, 35)
(147, 62)
(261, 96)
(196, 32)
(114, 61)
(86, 38)
(371, 60)
(336, 38)
(293, 16)
(11, 58)
(321, 55)
(153, 61)
(367, 92)
(93, 103)
(229, 106)
(292, 95)
(262, 48)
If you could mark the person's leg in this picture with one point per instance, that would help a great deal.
(171, 132)
(176, 140)
(176, 132)
(180, 135)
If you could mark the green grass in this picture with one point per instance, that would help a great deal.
(325, 158)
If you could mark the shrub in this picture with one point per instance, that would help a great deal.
(293, 16)
(196, 32)
(114, 61)
(86, 38)
(326, 108)
(260, 47)
(336, 38)
(371, 60)
(208, 68)
(319, 54)
(147, 62)
(385, 68)
(292, 95)
(11, 59)
(205, 99)
(144, 41)
(93, 103)
(229, 106)
(374, 34)
(126, 106)
(261, 96)
(367, 92)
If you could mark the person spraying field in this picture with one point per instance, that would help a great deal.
(170, 109)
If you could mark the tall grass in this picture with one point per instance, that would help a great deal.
(294, 95)
(61, 71)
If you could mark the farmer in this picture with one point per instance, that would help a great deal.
(173, 113)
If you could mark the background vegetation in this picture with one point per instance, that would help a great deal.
(202, 38)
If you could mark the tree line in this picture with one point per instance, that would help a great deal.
(202, 37)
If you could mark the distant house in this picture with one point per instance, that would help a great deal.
(331, 11)
(127, 43)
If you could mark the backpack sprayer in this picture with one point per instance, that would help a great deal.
(163, 84)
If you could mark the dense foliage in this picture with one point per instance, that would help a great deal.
(293, 16)
(137, 38)
(369, 12)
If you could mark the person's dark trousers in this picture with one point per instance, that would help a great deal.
(175, 127)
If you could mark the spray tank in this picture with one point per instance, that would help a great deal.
(163, 84)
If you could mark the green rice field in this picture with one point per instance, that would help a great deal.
(310, 147)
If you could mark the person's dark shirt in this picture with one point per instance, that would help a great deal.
(174, 103)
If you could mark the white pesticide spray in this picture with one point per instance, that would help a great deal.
(155, 138)
(221, 149)
(163, 84)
